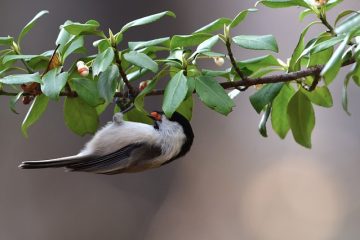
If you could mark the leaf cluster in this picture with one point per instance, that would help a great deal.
(114, 72)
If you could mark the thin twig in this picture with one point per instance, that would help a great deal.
(123, 74)
(327, 24)
(51, 59)
(233, 61)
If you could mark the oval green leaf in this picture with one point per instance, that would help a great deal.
(265, 42)
(36, 110)
(175, 93)
(53, 83)
(213, 95)
(21, 78)
(103, 61)
(107, 83)
(301, 118)
(141, 60)
(80, 117)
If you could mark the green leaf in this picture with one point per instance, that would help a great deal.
(255, 64)
(87, 90)
(266, 70)
(283, 3)
(320, 58)
(350, 24)
(103, 61)
(136, 74)
(331, 4)
(206, 46)
(213, 95)
(279, 118)
(344, 14)
(75, 28)
(186, 107)
(146, 20)
(241, 17)
(139, 45)
(301, 118)
(322, 45)
(101, 108)
(63, 38)
(333, 66)
(80, 117)
(295, 65)
(355, 74)
(53, 83)
(320, 96)
(107, 83)
(6, 41)
(14, 100)
(135, 115)
(141, 60)
(266, 42)
(9, 58)
(305, 13)
(182, 41)
(175, 93)
(21, 78)
(265, 95)
(36, 110)
(263, 121)
(75, 45)
(30, 25)
(214, 26)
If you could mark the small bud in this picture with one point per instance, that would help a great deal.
(219, 61)
(320, 3)
(112, 38)
(143, 85)
(82, 69)
(226, 31)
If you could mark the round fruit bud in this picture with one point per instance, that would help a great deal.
(80, 64)
(82, 69)
(143, 85)
(219, 61)
(320, 3)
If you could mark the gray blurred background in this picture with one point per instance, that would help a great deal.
(234, 184)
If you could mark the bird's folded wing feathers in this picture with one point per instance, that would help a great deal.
(108, 164)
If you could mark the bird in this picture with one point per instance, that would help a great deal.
(126, 147)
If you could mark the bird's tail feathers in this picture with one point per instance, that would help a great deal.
(53, 163)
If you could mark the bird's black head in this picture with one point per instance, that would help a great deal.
(157, 116)
(177, 117)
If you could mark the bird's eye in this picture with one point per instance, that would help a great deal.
(156, 116)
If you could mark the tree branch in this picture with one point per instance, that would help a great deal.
(285, 77)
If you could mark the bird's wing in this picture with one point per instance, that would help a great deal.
(116, 162)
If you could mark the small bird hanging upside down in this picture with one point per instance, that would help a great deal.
(123, 146)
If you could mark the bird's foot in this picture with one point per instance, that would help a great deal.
(118, 118)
